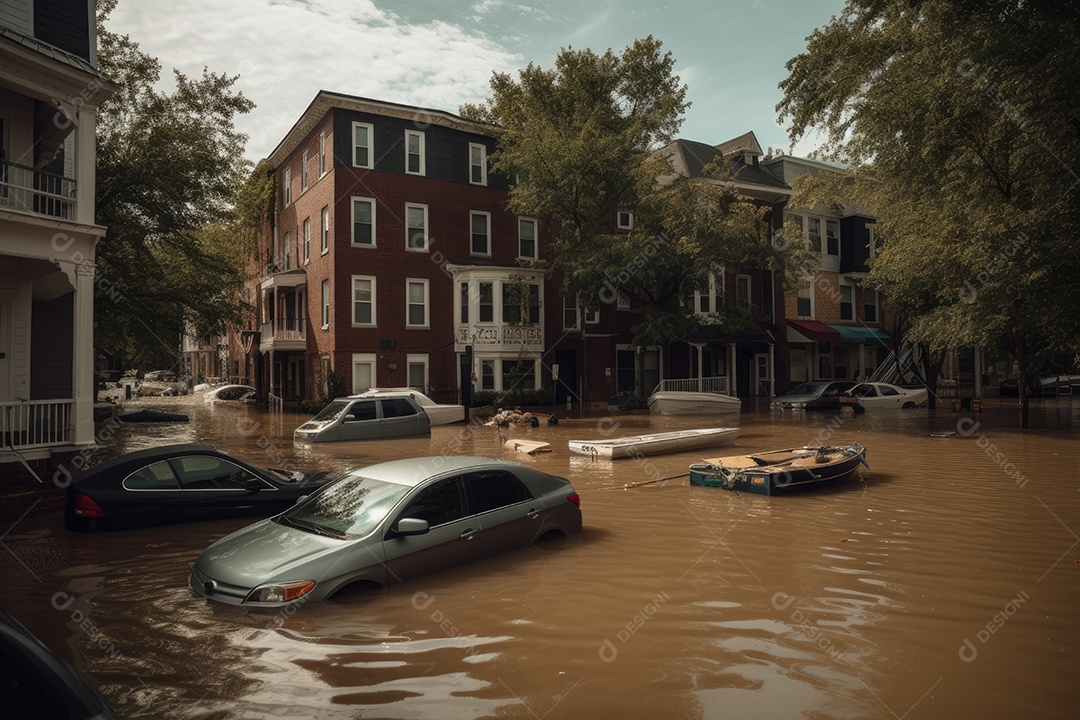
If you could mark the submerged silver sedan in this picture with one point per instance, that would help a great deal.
(385, 524)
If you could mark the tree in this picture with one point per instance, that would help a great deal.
(960, 121)
(580, 141)
(169, 165)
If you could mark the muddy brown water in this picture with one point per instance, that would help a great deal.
(943, 583)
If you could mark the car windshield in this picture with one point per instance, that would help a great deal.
(807, 389)
(351, 507)
(331, 412)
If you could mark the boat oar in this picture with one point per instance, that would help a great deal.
(650, 482)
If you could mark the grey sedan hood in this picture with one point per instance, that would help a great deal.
(254, 555)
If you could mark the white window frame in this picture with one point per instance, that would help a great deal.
(820, 235)
(409, 282)
(304, 172)
(427, 237)
(324, 230)
(840, 302)
(322, 154)
(487, 223)
(576, 327)
(417, 359)
(536, 238)
(352, 301)
(352, 222)
(713, 290)
(325, 304)
(420, 137)
(494, 365)
(370, 146)
(749, 289)
(483, 163)
(825, 248)
(877, 305)
(287, 250)
(591, 317)
(624, 220)
(364, 359)
(494, 302)
(286, 187)
(307, 240)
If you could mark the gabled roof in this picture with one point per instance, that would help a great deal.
(689, 158)
(745, 143)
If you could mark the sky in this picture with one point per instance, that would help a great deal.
(441, 53)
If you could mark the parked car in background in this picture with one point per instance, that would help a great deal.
(160, 376)
(37, 684)
(874, 396)
(387, 415)
(439, 414)
(809, 395)
(384, 524)
(175, 483)
(1049, 386)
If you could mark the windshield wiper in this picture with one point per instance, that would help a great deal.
(314, 527)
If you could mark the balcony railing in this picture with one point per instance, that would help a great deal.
(30, 190)
(285, 329)
(706, 384)
(36, 423)
(507, 335)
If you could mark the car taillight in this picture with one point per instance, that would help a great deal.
(85, 507)
(574, 498)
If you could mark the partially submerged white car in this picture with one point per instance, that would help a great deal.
(874, 396)
(388, 415)
(438, 414)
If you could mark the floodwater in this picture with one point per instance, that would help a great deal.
(941, 584)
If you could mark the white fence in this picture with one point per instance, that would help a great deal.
(36, 423)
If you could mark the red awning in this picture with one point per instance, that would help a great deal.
(803, 331)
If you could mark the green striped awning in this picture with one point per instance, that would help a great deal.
(860, 335)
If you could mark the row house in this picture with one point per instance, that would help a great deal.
(393, 260)
(50, 89)
(835, 324)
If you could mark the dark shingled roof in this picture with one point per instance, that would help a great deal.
(689, 158)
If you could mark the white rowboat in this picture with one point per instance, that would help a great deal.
(639, 445)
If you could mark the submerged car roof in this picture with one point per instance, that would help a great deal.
(138, 456)
(413, 471)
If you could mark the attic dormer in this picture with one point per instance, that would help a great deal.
(746, 147)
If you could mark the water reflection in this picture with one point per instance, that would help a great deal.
(852, 602)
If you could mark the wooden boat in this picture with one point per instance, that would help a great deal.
(781, 471)
(639, 445)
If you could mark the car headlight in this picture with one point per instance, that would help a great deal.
(280, 592)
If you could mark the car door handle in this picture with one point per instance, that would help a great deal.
(468, 534)
(532, 514)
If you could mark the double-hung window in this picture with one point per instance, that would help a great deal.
(847, 304)
(526, 238)
(363, 312)
(324, 231)
(477, 164)
(363, 145)
(325, 304)
(832, 237)
(363, 222)
(416, 234)
(414, 152)
(322, 154)
(303, 172)
(307, 240)
(286, 187)
(416, 303)
(480, 233)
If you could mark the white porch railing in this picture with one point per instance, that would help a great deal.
(30, 190)
(706, 384)
(36, 423)
(284, 329)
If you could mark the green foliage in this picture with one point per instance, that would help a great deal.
(580, 141)
(960, 122)
(168, 168)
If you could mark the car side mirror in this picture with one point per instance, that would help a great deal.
(411, 526)
(349, 418)
(253, 485)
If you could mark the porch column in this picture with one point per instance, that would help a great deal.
(700, 347)
(772, 370)
(85, 144)
(860, 370)
(82, 360)
(731, 370)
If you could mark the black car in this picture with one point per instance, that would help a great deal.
(175, 483)
(37, 684)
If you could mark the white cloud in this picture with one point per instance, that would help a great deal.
(285, 52)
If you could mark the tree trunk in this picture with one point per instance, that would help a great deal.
(1021, 361)
(931, 367)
